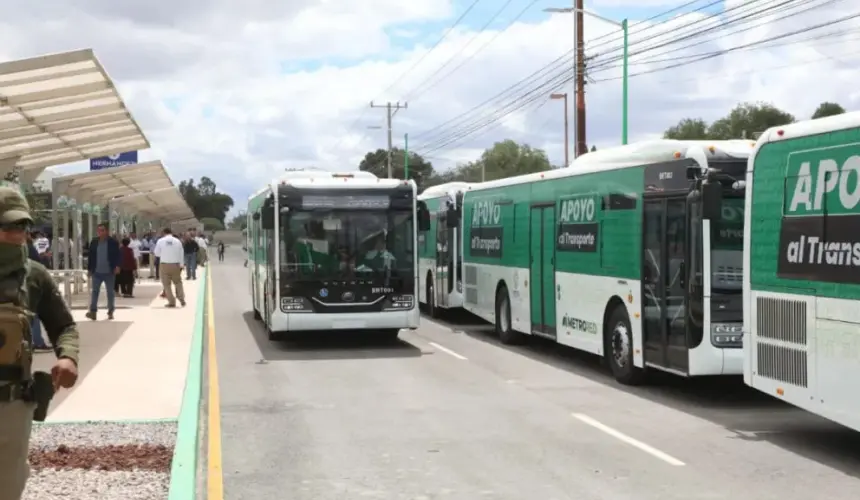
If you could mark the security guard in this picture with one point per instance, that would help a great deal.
(26, 288)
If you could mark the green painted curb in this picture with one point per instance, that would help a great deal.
(109, 421)
(183, 470)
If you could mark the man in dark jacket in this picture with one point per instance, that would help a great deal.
(39, 344)
(103, 266)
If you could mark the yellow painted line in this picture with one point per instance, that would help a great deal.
(215, 475)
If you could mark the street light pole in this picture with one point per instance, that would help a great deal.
(625, 75)
(566, 138)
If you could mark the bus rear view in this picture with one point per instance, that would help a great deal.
(334, 252)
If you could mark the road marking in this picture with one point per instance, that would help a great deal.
(669, 459)
(215, 475)
(449, 351)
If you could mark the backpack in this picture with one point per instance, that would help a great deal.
(15, 328)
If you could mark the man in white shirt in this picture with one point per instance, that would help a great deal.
(170, 257)
(135, 246)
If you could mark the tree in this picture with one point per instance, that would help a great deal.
(211, 224)
(205, 200)
(508, 158)
(376, 162)
(827, 109)
(688, 129)
(239, 221)
(747, 119)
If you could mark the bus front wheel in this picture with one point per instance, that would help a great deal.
(619, 348)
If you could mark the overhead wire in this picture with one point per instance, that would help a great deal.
(414, 65)
(468, 127)
(564, 60)
(424, 86)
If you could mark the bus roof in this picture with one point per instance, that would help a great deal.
(444, 189)
(631, 155)
(320, 179)
(806, 128)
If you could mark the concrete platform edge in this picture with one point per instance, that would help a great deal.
(183, 472)
(110, 421)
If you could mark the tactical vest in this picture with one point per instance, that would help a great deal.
(16, 347)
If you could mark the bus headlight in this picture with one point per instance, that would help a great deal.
(399, 303)
(727, 335)
(295, 304)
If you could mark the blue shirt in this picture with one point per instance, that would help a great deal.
(102, 258)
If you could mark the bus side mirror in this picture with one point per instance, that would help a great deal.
(267, 214)
(256, 216)
(712, 201)
(423, 217)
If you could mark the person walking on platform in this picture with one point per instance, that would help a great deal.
(127, 269)
(221, 251)
(190, 246)
(26, 289)
(103, 267)
(171, 255)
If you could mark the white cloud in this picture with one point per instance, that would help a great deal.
(206, 77)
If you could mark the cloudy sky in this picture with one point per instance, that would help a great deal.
(238, 91)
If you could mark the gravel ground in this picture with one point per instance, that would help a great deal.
(81, 478)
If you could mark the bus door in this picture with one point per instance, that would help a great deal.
(542, 240)
(663, 283)
(443, 248)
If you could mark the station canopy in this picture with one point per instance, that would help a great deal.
(166, 204)
(102, 186)
(59, 109)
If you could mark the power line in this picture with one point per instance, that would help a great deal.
(482, 47)
(562, 60)
(414, 65)
(470, 128)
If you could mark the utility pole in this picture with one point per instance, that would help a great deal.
(566, 137)
(579, 91)
(391, 109)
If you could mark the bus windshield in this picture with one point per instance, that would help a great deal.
(727, 246)
(326, 244)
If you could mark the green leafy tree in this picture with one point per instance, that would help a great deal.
(211, 224)
(205, 200)
(748, 119)
(420, 170)
(239, 221)
(827, 109)
(687, 129)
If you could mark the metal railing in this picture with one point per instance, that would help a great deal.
(71, 282)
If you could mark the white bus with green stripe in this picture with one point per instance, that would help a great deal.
(334, 251)
(440, 257)
(632, 253)
(802, 247)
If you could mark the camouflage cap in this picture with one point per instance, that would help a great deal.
(13, 206)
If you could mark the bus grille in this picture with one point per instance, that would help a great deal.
(780, 322)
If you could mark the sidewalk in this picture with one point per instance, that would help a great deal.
(131, 368)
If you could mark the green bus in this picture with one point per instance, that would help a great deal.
(632, 253)
(802, 247)
(440, 257)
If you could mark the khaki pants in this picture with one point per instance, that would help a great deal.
(172, 274)
(16, 422)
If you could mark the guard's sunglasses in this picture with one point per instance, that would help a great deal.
(21, 225)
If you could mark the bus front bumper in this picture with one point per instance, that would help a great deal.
(388, 320)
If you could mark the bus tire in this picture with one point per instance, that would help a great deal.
(257, 315)
(504, 329)
(618, 335)
(431, 300)
(273, 335)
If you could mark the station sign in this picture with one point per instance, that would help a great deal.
(117, 160)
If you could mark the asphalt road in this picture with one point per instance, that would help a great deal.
(448, 413)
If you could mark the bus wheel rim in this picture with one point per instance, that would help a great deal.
(620, 344)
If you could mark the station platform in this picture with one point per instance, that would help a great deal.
(133, 367)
